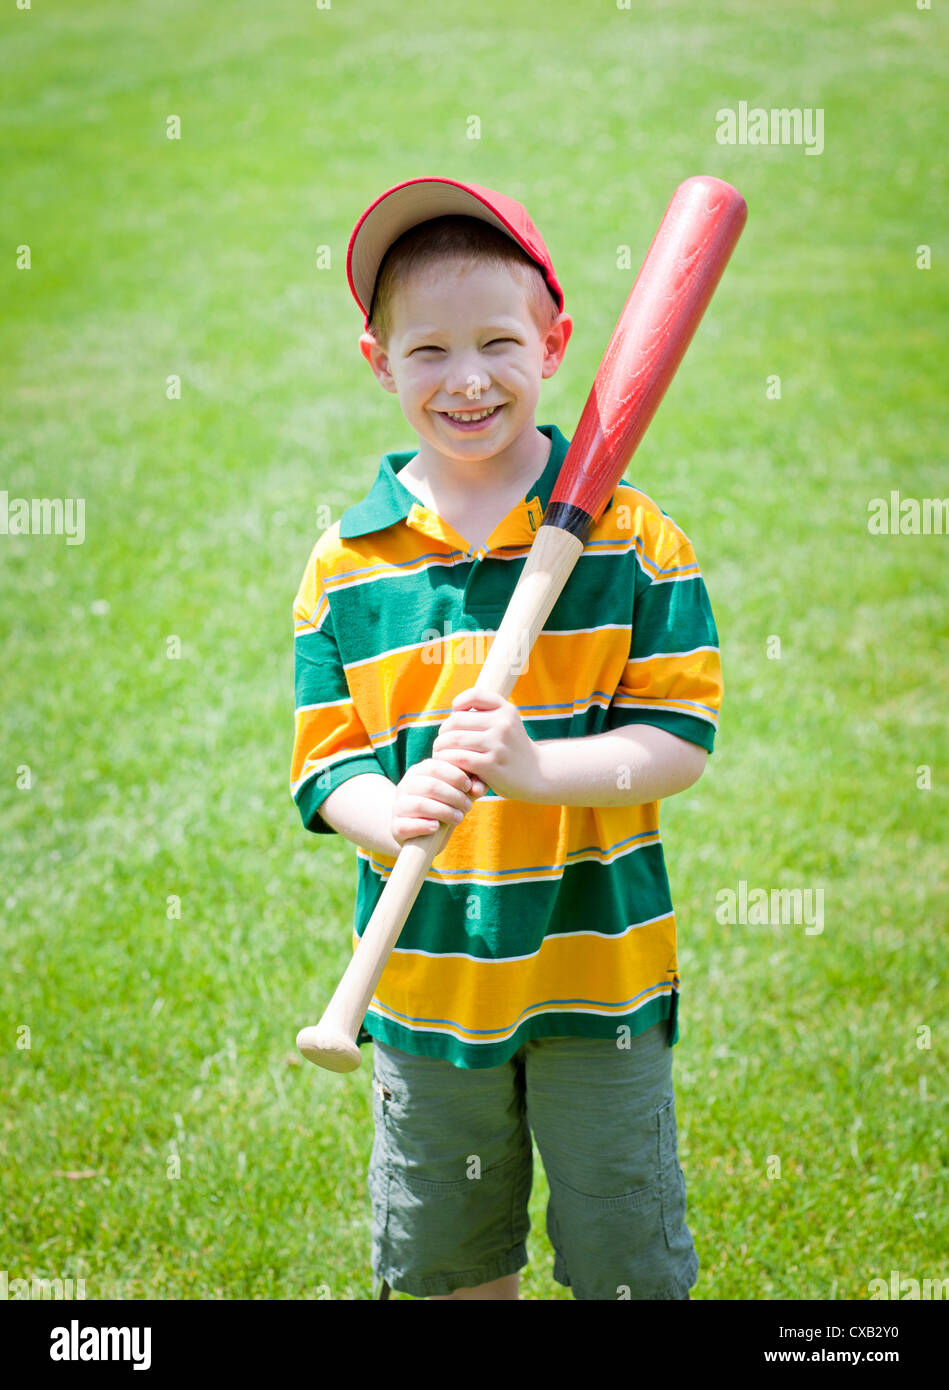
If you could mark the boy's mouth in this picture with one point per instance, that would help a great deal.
(469, 421)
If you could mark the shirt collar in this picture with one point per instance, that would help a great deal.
(389, 501)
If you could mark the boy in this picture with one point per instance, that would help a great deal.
(534, 988)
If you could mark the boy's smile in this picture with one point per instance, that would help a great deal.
(466, 359)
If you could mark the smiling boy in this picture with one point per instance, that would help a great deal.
(534, 988)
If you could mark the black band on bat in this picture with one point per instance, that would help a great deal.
(567, 517)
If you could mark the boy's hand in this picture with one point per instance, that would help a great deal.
(485, 736)
(431, 792)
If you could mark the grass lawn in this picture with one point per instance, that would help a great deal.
(167, 923)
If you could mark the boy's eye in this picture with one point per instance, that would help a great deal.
(432, 347)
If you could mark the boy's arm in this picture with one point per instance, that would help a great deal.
(622, 767)
(632, 765)
(378, 815)
(361, 810)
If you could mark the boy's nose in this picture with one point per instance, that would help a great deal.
(466, 376)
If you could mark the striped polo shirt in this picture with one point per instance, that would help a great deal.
(534, 921)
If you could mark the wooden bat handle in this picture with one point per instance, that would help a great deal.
(332, 1042)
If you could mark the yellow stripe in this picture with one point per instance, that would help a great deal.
(683, 680)
(325, 733)
(384, 554)
(486, 1000)
(426, 679)
(513, 841)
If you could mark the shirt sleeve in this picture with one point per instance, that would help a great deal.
(330, 741)
(673, 675)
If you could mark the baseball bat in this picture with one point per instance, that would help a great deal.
(678, 278)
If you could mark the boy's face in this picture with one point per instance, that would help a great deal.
(463, 345)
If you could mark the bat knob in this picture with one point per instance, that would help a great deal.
(328, 1049)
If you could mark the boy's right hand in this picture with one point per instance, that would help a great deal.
(432, 792)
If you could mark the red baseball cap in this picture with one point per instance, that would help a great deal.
(419, 200)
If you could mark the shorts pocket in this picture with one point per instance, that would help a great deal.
(476, 1179)
(608, 1247)
(672, 1182)
(379, 1165)
(471, 1221)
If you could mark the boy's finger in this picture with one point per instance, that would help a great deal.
(409, 829)
(448, 771)
(477, 699)
(467, 719)
(441, 810)
(457, 757)
(474, 739)
(470, 760)
(436, 789)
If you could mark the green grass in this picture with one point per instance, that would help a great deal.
(156, 1036)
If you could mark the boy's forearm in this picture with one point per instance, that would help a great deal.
(361, 810)
(623, 767)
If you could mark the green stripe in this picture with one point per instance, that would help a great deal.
(502, 920)
(692, 729)
(316, 789)
(474, 1056)
(674, 617)
(413, 744)
(317, 671)
(385, 615)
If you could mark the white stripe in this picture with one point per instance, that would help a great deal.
(632, 660)
(386, 571)
(663, 707)
(650, 573)
(324, 704)
(312, 769)
(447, 638)
(456, 1032)
(307, 624)
(677, 578)
(555, 872)
(435, 641)
(531, 955)
(599, 627)
(425, 721)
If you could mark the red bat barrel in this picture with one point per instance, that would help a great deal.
(678, 278)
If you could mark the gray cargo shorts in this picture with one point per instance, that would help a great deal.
(451, 1168)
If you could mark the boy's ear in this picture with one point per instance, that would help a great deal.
(555, 344)
(378, 360)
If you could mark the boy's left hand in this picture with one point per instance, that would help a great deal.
(486, 737)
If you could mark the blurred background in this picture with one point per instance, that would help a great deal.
(180, 352)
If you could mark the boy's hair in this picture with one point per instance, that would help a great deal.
(464, 239)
